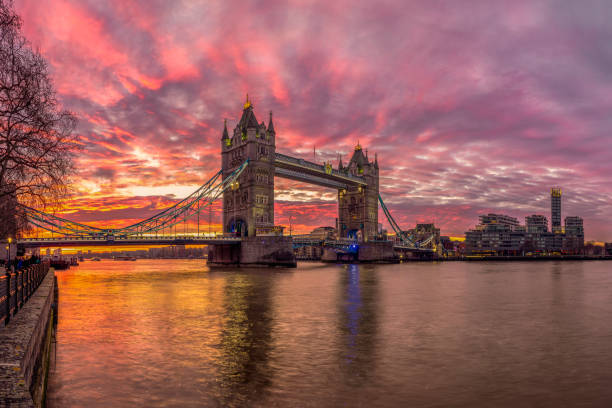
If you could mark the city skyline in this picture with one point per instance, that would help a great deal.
(468, 116)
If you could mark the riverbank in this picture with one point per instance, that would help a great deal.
(488, 258)
(538, 258)
(25, 345)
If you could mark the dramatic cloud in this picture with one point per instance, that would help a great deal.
(472, 107)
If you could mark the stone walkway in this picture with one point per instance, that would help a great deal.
(21, 343)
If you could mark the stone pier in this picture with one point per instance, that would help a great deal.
(363, 252)
(261, 251)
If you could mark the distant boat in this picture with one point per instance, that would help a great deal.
(95, 259)
(124, 258)
(58, 264)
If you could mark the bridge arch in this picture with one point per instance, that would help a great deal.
(238, 226)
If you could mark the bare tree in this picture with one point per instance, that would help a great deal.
(37, 143)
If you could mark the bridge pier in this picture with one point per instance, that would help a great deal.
(363, 252)
(261, 251)
(414, 255)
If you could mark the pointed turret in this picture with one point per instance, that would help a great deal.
(340, 166)
(358, 158)
(225, 134)
(248, 119)
(271, 125)
(376, 160)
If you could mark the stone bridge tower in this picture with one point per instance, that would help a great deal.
(248, 205)
(358, 206)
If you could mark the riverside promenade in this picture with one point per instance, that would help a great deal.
(27, 300)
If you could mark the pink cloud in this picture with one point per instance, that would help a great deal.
(471, 109)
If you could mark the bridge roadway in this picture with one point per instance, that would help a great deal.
(104, 241)
(345, 243)
(183, 240)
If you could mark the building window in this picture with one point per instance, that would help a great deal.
(261, 199)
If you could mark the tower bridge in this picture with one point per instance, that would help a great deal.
(245, 184)
(248, 207)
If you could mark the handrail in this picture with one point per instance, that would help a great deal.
(17, 287)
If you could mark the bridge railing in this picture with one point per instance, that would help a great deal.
(17, 287)
(86, 239)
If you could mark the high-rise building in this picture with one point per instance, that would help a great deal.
(555, 210)
(574, 234)
(536, 224)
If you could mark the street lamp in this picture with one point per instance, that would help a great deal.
(9, 253)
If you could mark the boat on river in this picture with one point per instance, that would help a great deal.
(124, 258)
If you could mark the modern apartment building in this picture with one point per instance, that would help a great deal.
(499, 234)
(536, 224)
(574, 234)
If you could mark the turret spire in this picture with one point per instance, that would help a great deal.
(225, 134)
(271, 125)
(248, 103)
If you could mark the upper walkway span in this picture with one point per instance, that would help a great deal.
(313, 173)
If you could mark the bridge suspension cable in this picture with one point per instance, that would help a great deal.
(185, 209)
(395, 226)
(409, 241)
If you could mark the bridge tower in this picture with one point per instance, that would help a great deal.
(358, 206)
(248, 206)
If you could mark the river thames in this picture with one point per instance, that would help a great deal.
(172, 333)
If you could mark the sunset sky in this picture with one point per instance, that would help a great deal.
(472, 106)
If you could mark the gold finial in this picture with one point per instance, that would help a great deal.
(247, 104)
(358, 146)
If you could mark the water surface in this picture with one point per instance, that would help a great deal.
(157, 333)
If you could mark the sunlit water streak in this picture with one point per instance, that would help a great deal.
(173, 333)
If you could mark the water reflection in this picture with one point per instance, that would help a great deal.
(358, 312)
(171, 333)
(244, 373)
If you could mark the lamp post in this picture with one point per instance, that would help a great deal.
(9, 253)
